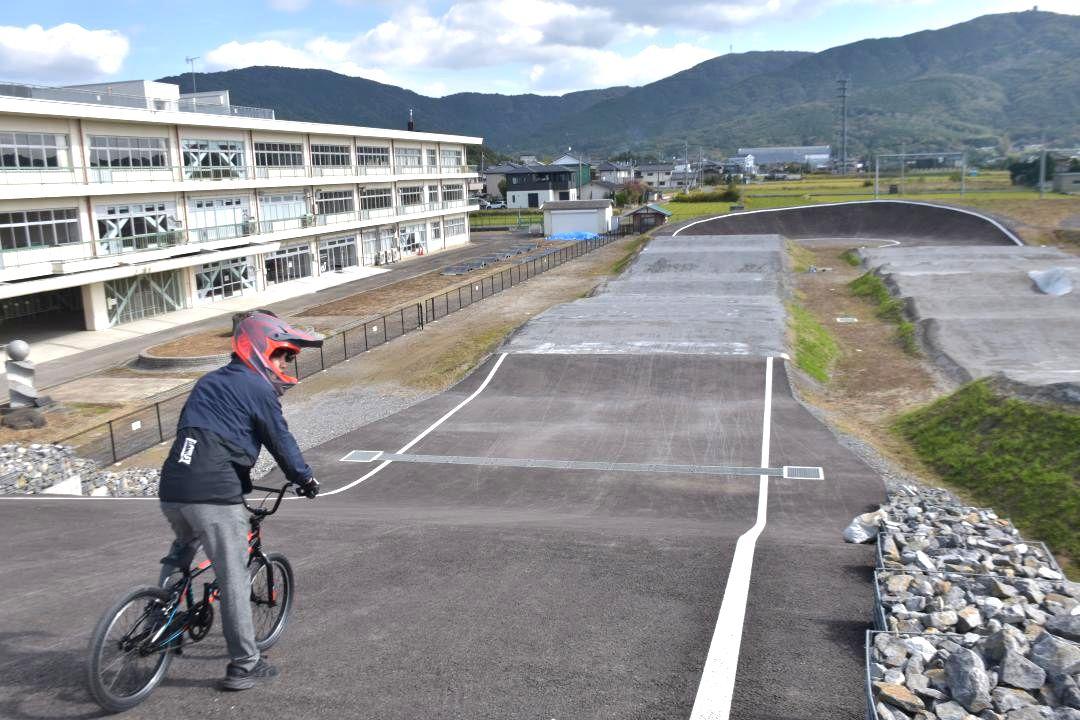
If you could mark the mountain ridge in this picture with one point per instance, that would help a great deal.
(996, 80)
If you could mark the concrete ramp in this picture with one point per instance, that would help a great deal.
(905, 221)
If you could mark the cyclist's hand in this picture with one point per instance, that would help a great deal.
(309, 488)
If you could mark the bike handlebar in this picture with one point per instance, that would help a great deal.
(263, 512)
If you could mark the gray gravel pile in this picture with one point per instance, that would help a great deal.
(1007, 675)
(981, 624)
(32, 469)
(982, 604)
(923, 533)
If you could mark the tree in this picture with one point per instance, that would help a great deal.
(1026, 172)
(502, 187)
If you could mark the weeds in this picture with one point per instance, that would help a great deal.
(1017, 456)
(815, 348)
(851, 257)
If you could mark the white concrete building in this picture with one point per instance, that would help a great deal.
(571, 216)
(123, 201)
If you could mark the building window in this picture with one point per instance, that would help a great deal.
(213, 159)
(224, 279)
(407, 157)
(376, 198)
(331, 155)
(451, 158)
(133, 298)
(414, 237)
(433, 193)
(370, 156)
(337, 254)
(450, 193)
(455, 226)
(39, 228)
(119, 151)
(122, 228)
(432, 157)
(436, 230)
(275, 154)
(287, 264)
(411, 194)
(33, 150)
(330, 202)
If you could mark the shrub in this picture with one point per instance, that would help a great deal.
(729, 194)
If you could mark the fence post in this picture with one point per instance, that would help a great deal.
(112, 441)
(365, 338)
(345, 342)
(420, 310)
(296, 367)
(160, 430)
(402, 321)
(322, 359)
(385, 337)
(446, 296)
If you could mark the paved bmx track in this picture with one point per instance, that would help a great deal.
(459, 591)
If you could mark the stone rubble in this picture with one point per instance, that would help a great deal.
(979, 623)
(32, 469)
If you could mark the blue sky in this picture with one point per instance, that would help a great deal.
(436, 48)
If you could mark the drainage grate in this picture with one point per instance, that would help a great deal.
(801, 472)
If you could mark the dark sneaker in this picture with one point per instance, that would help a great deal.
(237, 679)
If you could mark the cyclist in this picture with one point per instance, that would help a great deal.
(230, 414)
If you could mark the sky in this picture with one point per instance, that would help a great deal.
(547, 47)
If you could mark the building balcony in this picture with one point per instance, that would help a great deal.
(139, 102)
(50, 181)
(139, 243)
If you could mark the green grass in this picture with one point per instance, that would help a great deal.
(815, 348)
(872, 288)
(851, 257)
(628, 257)
(801, 258)
(1021, 458)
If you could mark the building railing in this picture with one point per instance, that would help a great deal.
(114, 246)
(138, 102)
(145, 427)
(94, 175)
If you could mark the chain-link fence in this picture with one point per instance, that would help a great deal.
(141, 429)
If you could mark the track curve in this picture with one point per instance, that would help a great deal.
(872, 219)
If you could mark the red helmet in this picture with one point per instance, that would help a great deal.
(259, 334)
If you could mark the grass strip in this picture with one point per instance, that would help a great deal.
(872, 288)
(623, 262)
(815, 348)
(1021, 458)
(851, 257)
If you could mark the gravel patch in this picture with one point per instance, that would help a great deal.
(321, 417)
(36, 468)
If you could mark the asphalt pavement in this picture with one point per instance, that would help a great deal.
(457, 591)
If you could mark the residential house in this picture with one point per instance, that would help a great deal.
(616, 173)
(740, 166)
(581, 167)
(495, 174)
(598, 190)
(656, 174)
(647, 217)
(530, 186)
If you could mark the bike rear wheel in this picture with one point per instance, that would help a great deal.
(121, 673)
(271, 598)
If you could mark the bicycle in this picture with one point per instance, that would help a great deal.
(147, 627)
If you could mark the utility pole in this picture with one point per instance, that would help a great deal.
(877, 166)
(191, 62)
(686, 163)
(842, 87)
(1042, 172)
(903, 164)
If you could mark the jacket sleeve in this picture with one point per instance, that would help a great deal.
(275, 436)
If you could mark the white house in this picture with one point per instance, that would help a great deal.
(594, 216)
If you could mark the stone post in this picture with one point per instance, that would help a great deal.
(20, 375)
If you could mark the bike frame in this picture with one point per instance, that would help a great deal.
(182, 593)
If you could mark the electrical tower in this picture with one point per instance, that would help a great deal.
(842, 94)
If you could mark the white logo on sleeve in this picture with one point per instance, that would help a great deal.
(188, 450)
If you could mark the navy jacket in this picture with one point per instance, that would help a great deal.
(229, 415)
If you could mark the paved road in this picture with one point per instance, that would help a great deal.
(68, 368)
(450, 591)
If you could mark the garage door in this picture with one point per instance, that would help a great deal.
(575, 221)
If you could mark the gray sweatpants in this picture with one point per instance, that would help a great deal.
(222, 531)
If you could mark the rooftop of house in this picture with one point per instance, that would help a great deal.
(576, 205)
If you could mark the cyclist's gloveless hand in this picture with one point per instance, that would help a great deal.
(309, 488)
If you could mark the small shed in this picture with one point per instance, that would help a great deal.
(594, 216)
(647, 217)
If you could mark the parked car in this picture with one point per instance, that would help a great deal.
(496, 205)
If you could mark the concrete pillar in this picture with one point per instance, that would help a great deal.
(191, 288)
(95, 312)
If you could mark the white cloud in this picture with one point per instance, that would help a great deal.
(568, 46)
(64, 53)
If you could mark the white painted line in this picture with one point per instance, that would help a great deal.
(421, 436)
(713, 700)
(1008, 233)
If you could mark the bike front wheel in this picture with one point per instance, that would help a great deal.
(126, 663)
(271, 597)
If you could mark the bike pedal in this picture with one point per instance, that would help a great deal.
(178, 651)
